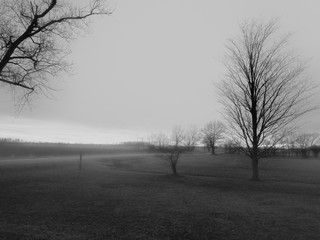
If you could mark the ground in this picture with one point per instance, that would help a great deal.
(133, 196)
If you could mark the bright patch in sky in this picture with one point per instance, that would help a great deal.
(46, 131)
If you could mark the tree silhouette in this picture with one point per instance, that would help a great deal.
(33, 39)
(264, 90)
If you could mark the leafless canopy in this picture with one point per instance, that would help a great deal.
(33, 39)
(212, 133)
(170, 147)
(305, 141)
(301, 144)
(192, 136)
(265, 89)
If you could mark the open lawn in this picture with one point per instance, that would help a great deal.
(132, 196)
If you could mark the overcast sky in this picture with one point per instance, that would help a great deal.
(152, 65)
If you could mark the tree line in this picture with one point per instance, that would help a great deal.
(215, 134)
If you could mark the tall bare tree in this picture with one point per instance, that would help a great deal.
(212, 133)
(264, 90)
(33, 40)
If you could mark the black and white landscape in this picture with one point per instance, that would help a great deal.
(154, 119)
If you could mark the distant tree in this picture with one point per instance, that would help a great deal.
(10, 140)
(157, 141)
(33, 39)
(305, 141)
(192, 137)
(289, 144)
(177, 136)
(212, 133)
(170, 147)
(315, 149)
(232, 146)
(263, 92)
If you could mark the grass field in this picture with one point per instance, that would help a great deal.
(132, 196)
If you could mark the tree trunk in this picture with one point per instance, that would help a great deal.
(254, 116)
(213, 152)
(255, 168)
(174, 168)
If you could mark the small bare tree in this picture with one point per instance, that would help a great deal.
(33, 39)
(170, 147)
(212, 133)
(192, 137)
(263, 92)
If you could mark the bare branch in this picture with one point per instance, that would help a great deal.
(264, 90)
(212, 133)
(31, 40)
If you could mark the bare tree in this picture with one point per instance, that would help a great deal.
(158, 140)
(33, 40)
(315, 149)
(191, 138)
(177, 136)
(289, 143)
(212, 133)
(232, 146)
(263, 91)
(305, 141)
(170, 147)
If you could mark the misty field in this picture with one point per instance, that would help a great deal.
(133, 196)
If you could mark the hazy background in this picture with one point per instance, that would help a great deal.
(152, 65)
